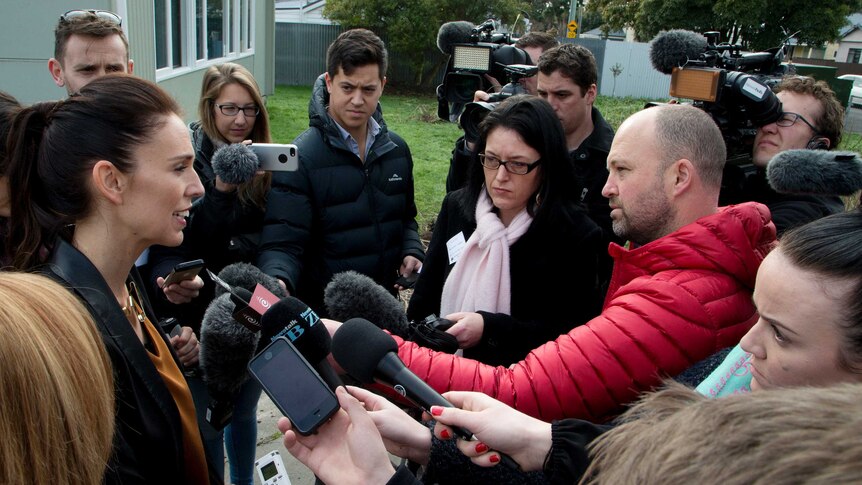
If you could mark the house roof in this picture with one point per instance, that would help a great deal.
(854, 22)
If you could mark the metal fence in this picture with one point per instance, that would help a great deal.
(300, 56)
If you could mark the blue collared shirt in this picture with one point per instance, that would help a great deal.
(371, 135)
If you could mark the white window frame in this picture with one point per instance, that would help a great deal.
(242, 46)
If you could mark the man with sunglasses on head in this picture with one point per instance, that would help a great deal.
(88, 44)
(812, 118)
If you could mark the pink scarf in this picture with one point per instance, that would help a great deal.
(480, 279)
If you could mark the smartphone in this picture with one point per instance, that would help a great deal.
(184, 271)
(274, 157)
(294, 386)
(407, 281)
(270, 469)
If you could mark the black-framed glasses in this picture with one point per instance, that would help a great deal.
(518, 168)
(788, 119)
(233, 110)
(102, 14)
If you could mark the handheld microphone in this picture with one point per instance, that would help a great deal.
(370, 355)
(354, 295)
(235, 163)
(674, 48)
(245, 275)
(226, 349)
(815, 172)
(291, 318)
(451, 33)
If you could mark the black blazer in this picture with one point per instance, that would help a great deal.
(148, 444)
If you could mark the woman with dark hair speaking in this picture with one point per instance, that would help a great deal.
(499, 242)
(96, 179)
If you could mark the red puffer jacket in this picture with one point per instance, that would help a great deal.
(671, 303)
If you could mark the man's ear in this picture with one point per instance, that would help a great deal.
(328, 82)
(683, 175)
(108, 181)
(56, 70)
(131, 66)
(591, 94)
(383, 84)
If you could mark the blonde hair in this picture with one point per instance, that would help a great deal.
(792, 435)
(215, 79)
(56, 386)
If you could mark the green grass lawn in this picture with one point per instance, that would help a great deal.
(431, 140)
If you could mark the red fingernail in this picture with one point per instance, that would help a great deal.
(436, 410)
(481, 448)
(494, 458)
(445, 434)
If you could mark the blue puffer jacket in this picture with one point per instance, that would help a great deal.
(336, 213)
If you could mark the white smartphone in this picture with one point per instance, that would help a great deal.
(270, 469)
(275, 157)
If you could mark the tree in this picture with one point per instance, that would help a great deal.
(411, 27)
(760, 24)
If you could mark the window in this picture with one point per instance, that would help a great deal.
(853, 55)
(198, 33)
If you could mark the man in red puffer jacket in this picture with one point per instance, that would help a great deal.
(680, 290)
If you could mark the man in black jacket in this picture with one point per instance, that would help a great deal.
(350, 205)
(812, 118)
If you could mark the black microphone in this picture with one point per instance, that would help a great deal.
(291, 318)
(235, 163)
(451, 33)
(226, 349)
(674, 48)
(245, 275)
(815, 172)
(353, 295)
(370, 355)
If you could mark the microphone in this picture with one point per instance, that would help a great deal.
(674, 48)
(291, 318)
(245, 275)
(235, 163)
(451, 33)
(815, 172)
(351, 294)
(370, 355)
(226, 349)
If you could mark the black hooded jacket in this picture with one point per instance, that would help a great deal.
(336, 213)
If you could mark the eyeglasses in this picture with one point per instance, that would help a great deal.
(233, 110)
(788, 119)
(518, 168)
(102, 14)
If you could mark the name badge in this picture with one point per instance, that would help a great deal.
(455, 246)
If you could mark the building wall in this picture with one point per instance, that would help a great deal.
(851, 41)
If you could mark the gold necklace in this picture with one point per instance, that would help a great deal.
(131, 309)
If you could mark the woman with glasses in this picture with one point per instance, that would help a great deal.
(503, 242)
(224, 228)
(95, 180)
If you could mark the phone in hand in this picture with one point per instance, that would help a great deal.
(184, 271)
(294, 386)
(407, 281)
(275, 157)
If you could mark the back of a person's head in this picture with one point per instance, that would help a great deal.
(89, 25)
(573, 61)
(831, 247)
(54, 146)
(8, 107)
(830, 124)
(685, 132)
(534, 120)
(356, 48)
(791, 435)
(57, 402)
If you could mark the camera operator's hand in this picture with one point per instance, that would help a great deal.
(497, 427)
(477, 96)
(496, 86)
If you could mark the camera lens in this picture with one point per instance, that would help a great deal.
(292, 152)
(282, 158)
(267, 355)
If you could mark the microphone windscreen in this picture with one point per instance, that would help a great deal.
(226, 347)
(673, 48)
(358, 346)
(451, 33)
(351, 294)
(815, 172)
(291, 318)
(235, 163)
(245, 275)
